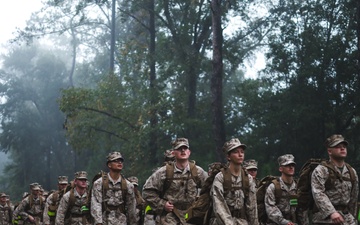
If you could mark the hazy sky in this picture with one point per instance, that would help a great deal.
(14, 13)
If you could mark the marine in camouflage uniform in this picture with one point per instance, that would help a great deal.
(170, 204)
(113, 208)
(251, 166)
(336, 204)
(73, 207)
(140, 202)
(5, 210)
(31, 207)
(53, 200)
(231, 206)
(283, 211)
(150, 216)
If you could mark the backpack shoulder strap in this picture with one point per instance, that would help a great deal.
(55, 197)
(71, 199)
(123, 187)
(227, 179)
(245, 182)
(194, 174)
(105, 182)
(169, 176)
(278, 191)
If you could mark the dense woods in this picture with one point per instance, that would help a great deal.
(85, 78)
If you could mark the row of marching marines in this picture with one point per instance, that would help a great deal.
(181, 192)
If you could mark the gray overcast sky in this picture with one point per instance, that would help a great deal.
(14, 13)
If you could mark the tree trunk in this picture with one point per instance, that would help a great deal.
(216, 80)
(153, 142)
(112, 42)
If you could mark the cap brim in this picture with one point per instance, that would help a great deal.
(63, 182)
(180, 145)
(338, 142)
(288, 163)
(236, 146)
(251, 167)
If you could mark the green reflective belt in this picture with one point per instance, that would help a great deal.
(147, 209)
(293, 202)
(84, 208)
(15, 221)
(358, 216)
(186, 216)
(51, 213)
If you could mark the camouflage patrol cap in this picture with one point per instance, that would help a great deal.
(35, 187)
(250, 164)
(334, 140)
(232, 144)
(286, 159)
(63, 180)
(81, 175)
(113, 156)
(2, 194)
(178, 142)
(134, 180)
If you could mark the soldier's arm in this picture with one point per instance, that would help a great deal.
(251, 204)
(220, 207)
(354, 196)
(131, 204)
(20, 210)
(273, 212)
(62, 209)
(322, 201)
(152, 190)
(46, 217)
(96, 201)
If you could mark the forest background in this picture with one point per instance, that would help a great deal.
(87, 77)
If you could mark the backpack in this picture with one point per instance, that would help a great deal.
(170, 176)
(105, 188)
(200, 211)
(260, 195)
(306, 200)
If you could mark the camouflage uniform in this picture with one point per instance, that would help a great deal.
(227, 203)
(31, 205)
(341, 197)
(52, 203)
(73, 207)
(5, 211)
(182, 191)
(280, 211)
(223, 202)
(114, 213)
(251, 164)
(140, 202)
(330, 201)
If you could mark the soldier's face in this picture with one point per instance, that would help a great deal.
(182, 152)
(81, 183)
(236, 155)
(116, 165)
(338, 152)
(3, 200)
(252, 172)
(288, 170)
(62, 186)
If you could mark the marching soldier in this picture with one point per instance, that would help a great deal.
(74, 205)
(53, 200)
(31, 207)
(5, 210)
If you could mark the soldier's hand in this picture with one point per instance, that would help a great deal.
(337, 218)
(168, 207)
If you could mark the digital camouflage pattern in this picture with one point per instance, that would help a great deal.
(47, 219)
(342, 197)
(279, 210)
(225, 202)
(5, 214)
(114, 199)
(34, 209)
(181, 193)
(72, 214)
